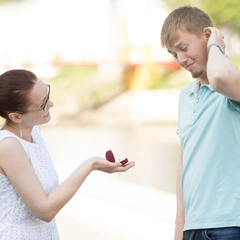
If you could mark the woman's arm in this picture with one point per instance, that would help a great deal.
(18, 169)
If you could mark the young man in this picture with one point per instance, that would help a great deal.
(208, 176)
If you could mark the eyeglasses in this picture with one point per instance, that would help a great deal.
(44, 106)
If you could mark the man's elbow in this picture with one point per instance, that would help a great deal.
(218, 82)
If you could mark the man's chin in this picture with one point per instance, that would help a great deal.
(197, 74)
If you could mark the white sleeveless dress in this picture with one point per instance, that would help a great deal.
(16, 222)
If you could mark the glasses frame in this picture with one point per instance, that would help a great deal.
(43, 108)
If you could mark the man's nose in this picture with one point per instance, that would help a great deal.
(182, 59)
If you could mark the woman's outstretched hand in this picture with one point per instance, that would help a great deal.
(104, 165)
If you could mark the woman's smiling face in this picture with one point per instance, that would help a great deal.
(39, 97)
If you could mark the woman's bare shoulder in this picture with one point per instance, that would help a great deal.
(11, 150)
(9, 143)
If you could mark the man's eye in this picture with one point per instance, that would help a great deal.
(184, 49)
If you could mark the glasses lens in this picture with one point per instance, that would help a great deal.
(48, 94)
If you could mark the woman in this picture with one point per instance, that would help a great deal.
(30, 196)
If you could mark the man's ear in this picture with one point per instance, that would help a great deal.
(15, 117)
(207, 32)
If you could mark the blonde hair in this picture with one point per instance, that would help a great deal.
(191, 19)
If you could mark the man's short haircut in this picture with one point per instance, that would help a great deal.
(189, 18)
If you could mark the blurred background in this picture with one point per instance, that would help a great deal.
(114, 87)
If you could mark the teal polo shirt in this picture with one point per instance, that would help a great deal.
(209, 131)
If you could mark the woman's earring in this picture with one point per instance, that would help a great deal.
(20, 129)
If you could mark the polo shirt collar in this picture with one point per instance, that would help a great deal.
(196, 87)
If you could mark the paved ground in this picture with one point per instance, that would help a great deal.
(129, 206)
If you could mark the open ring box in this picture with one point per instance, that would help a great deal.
(110, 157)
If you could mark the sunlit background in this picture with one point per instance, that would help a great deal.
(114, 87)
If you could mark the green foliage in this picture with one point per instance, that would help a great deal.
(160, 78)
(172, 4)
(70, 80)
(223, 13)
(76, 88)
(9, 1)
(71, 75)
(169, 79)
